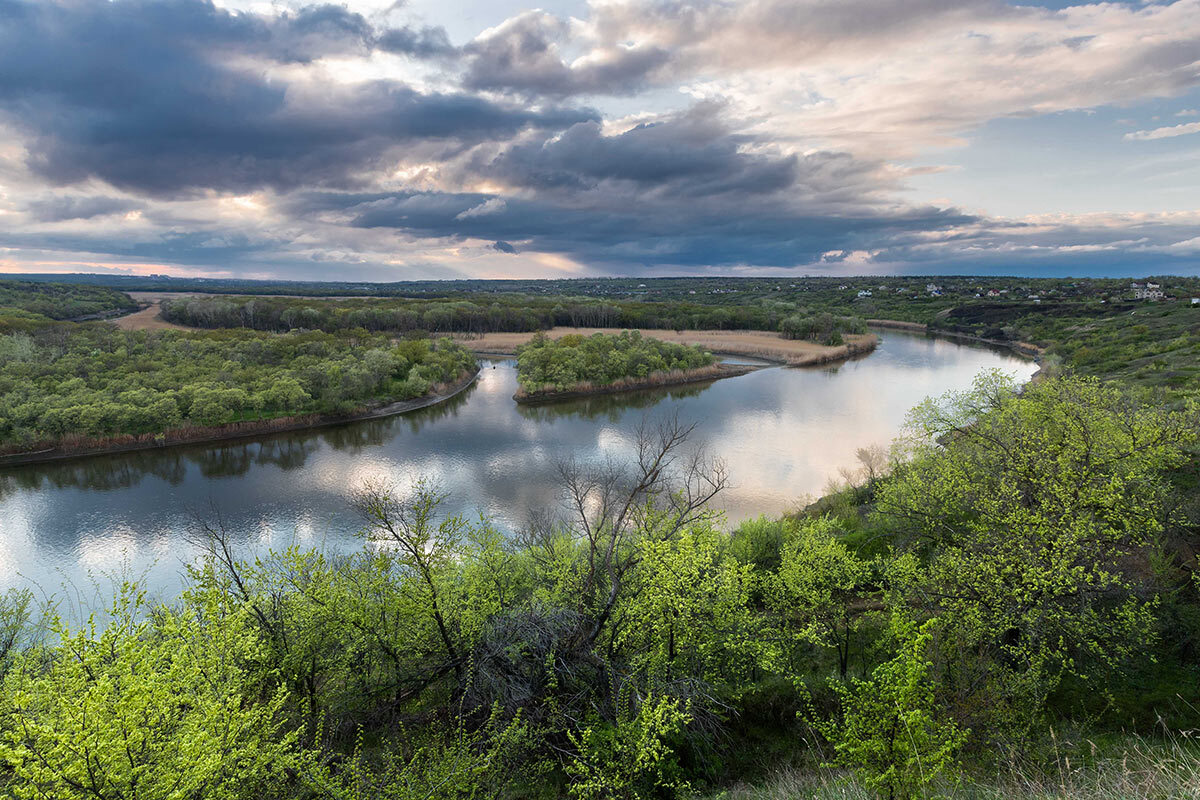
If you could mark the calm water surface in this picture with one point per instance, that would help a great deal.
(70, 528)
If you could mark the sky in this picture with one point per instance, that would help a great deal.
(381, 141)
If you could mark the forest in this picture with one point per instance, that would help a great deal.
(600, 360)
(1006, 589)
(96, 381)
(476, 314)
(29, 300)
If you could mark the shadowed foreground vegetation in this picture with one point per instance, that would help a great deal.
(990, 610)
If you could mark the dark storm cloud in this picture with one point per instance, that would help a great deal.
(684, 191)
(154, 97)
(640, 234)
(685, 156)
(59, 209)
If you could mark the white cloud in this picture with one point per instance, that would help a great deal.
(892, 79)
(1164, 133)
(492, 206)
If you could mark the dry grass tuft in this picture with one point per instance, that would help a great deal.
(1138, 769)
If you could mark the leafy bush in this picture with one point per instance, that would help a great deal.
(601, 359)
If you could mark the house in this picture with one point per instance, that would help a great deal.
(865, 293)
(933, 288)
(1148, 293)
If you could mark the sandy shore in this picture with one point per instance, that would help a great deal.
(758, 344)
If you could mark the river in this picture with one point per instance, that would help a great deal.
(72, 528)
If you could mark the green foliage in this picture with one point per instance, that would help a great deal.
(814, 590)
(892, 731)
(633, 759)
(544, 363)
(149, 709)
(31, 300)
(823, 328)
(463, 766)
(98, 381)
(1023, 532)
(692, 611)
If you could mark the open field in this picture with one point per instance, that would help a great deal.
(147, 319)
(759, 344)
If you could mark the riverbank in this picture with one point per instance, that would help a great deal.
(87, 447)
(654, 380)
(767, 345)
(1023, 349)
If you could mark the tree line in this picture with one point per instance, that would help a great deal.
(1012, 567)
(477, 314)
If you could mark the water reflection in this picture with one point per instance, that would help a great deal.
(611, 406)
(781, 432)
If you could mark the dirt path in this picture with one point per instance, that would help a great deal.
(760, 344)
(147, 320)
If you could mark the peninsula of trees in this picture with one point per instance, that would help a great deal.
(576, 364)
(92, 385)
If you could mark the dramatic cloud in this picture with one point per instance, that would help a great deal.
(170, 97)
(656, 136)
(864, 74)
(66, 207)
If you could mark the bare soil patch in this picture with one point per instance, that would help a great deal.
(147, 320)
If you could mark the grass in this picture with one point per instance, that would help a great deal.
(1133, 768)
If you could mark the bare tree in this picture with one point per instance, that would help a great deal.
(610, 506)
(409, 524)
